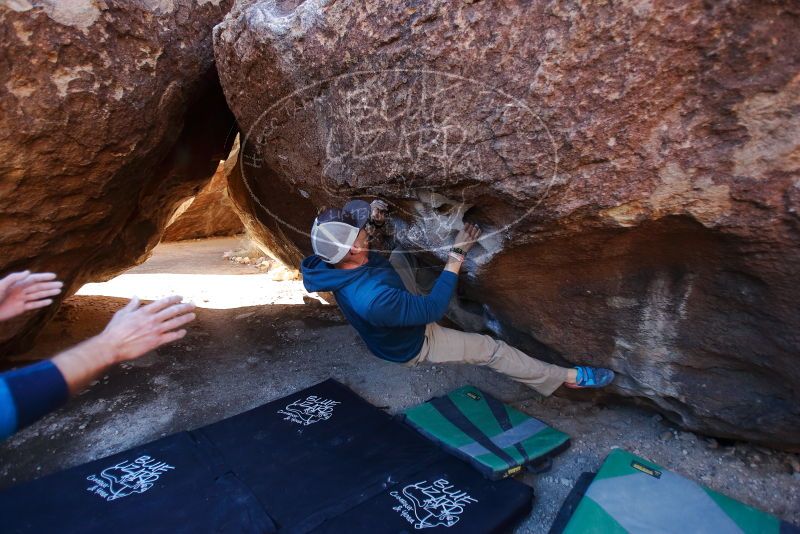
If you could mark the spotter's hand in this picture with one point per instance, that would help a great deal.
(25, 291)
(135, 330)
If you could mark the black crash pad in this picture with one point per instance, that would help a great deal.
(321, 458)
(446, 496)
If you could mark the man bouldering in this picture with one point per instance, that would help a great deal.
(400, 326)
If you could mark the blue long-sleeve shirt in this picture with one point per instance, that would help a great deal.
(28, 393)
(373, 299)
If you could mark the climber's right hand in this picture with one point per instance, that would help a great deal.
(378, 211)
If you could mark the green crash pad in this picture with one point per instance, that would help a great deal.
(631, 494)
(494, 437)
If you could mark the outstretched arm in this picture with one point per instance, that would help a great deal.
(29, 393)
(397, 307)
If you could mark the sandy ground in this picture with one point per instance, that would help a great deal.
(237, 358)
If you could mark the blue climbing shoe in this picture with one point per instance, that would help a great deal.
(591, 377)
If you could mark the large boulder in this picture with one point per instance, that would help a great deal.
(635, 168)
(209, 213)
(112, 115)
(265, 232)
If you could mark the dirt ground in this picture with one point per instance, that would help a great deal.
(238, 357)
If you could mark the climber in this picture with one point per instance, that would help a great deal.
(28, 393)
(397, 321)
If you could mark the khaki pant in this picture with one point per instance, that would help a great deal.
(445, 345)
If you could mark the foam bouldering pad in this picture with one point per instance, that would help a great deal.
(632, 495)
(169, 485)
(316, 458)
(495, 438)
(447, 496)
(325, 448)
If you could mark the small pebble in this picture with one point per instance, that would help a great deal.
(665, 436)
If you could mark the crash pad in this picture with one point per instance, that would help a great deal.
(632, 495)
(495, 438)
(319, 457)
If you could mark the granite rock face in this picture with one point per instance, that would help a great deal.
(112, 115)
(636, 170)
(266, 232)
(209, 213)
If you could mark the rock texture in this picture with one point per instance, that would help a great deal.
(112, 114)
(636, 169)
(266, 232)
(207, 214)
